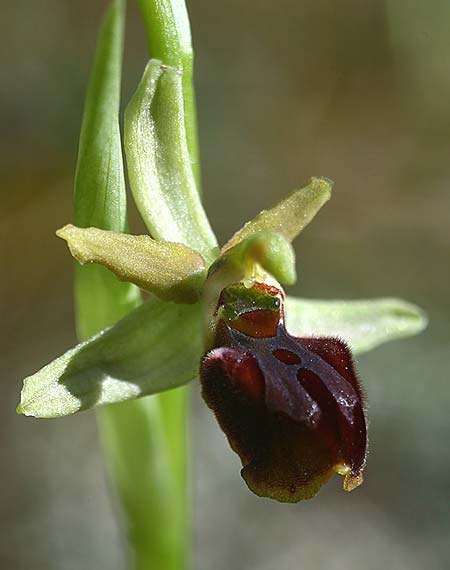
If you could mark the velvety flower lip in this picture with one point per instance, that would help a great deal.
(292, 408)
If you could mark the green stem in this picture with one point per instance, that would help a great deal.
(166, 505)
(148, 476)
(144, 441)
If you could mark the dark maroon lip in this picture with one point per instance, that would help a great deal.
(292, 408)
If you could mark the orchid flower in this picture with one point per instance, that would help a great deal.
(277, 370)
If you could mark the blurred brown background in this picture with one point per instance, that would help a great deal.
(357, 90)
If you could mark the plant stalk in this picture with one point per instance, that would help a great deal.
(144, 441)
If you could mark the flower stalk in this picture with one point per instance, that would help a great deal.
(144, 441)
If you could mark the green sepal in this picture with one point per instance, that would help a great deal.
(159, 167)
(155, 348)
(290, 216)
(171, 271)
(363, 324)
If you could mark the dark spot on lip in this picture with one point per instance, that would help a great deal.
(286, 356)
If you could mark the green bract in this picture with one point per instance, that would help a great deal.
(159, 167)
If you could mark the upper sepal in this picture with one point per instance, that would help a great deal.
(159, 166)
